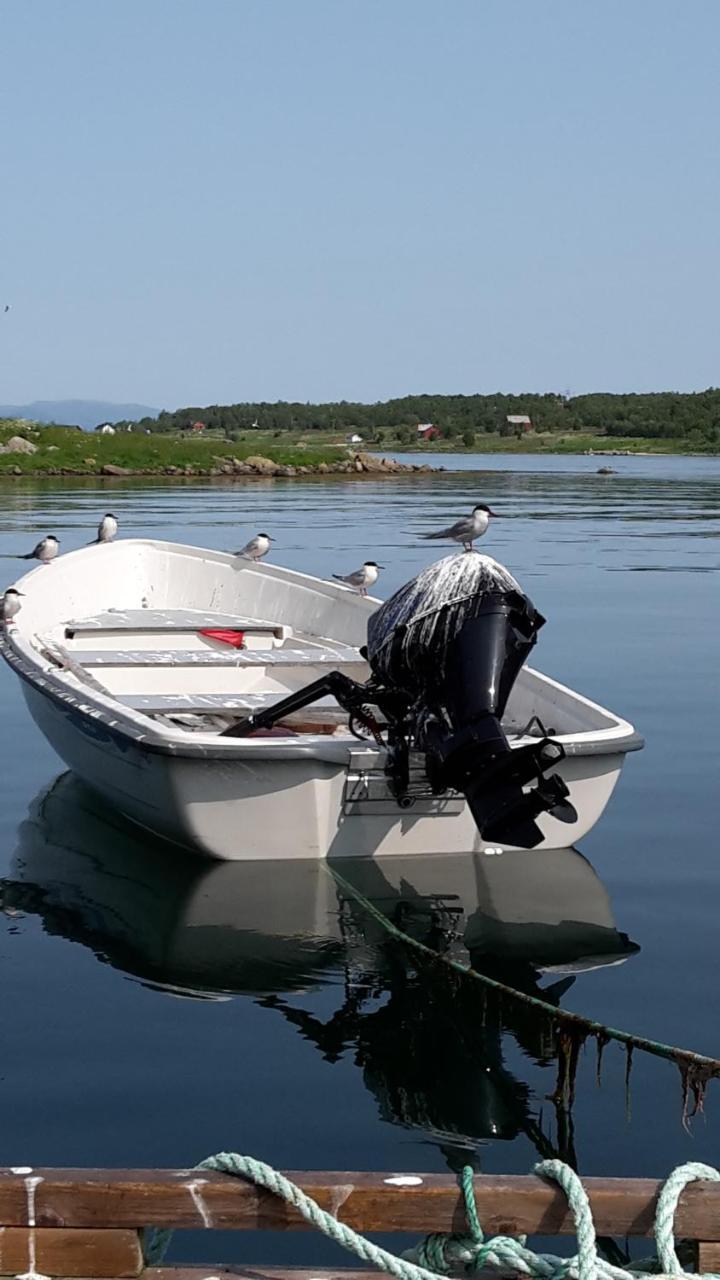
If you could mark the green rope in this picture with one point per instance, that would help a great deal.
(700, 1064)
(445, 1253)
(441, 1253)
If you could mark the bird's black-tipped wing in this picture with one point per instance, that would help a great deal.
(35, 553)
(461, 529)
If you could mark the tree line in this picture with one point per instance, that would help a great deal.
(664, 414)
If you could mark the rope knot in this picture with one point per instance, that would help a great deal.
(445, 1252)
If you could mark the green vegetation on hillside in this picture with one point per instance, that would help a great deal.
(465, 420)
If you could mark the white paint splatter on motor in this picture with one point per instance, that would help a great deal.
(420, 621)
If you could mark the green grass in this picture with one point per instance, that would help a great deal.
(62, 450)
(574, 442)
(535, 442)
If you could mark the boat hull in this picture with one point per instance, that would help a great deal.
(243, 808)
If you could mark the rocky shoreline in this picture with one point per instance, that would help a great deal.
(254, 466)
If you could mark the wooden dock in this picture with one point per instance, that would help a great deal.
(86, 1223)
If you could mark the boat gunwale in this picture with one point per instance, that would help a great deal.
(619, 737)
(122, 722)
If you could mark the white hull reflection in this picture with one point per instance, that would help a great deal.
(200, 927)
(432, 1054)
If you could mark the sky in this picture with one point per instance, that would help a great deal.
(211, 201)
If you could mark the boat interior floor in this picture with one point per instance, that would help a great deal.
(200, 670)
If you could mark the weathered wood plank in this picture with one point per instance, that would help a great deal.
(708, 1258)
(366, 1201)
(212, 1272)
(258, 1273)
(250, 1272)
(70, 1252)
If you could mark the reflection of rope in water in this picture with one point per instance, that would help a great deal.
(696, 1069)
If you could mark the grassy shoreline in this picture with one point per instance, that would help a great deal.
(575, 443)
(63, 452)
(48, 452)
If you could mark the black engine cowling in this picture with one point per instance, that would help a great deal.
(451, 643)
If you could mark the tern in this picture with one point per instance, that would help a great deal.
(45, 551)
(363, 578)
(468, 529)
(256, 548)
(10, 604)
(107, 529)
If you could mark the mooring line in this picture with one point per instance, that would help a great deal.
(696, 1068)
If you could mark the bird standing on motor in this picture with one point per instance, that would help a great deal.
(468, 529)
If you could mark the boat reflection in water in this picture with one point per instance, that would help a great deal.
(430, 1045)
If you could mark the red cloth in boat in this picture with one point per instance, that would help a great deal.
(227, 636)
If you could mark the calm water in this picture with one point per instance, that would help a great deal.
(319, 1048)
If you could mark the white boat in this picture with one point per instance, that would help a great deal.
(120, 674)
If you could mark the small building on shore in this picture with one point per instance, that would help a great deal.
(427, 431)
(521, 421)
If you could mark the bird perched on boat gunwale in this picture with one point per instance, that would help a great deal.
(45, 551)
(256, 548)
(10, 604)
(107, 529)
(360, 579)
(467, 529)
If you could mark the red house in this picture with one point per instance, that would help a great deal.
(426, 431)
(198, 426)
(521, 420)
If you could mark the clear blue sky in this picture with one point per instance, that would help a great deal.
(219, 200)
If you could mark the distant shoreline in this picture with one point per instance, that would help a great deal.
(28, 450)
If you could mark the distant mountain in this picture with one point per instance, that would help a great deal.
(81, 413)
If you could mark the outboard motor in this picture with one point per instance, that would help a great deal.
(444, 652)
(450, 643)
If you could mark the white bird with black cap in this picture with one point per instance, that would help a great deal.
(45, 551)
(256, 548)
(468, 529)
(107, 528)
(361, 579)
(10, 604)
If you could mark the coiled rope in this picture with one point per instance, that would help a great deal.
(442, 1253)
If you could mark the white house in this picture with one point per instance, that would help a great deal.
(106, 429)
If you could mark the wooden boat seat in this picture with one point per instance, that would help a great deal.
(149, 621)
(189, 703)
(320, 655)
